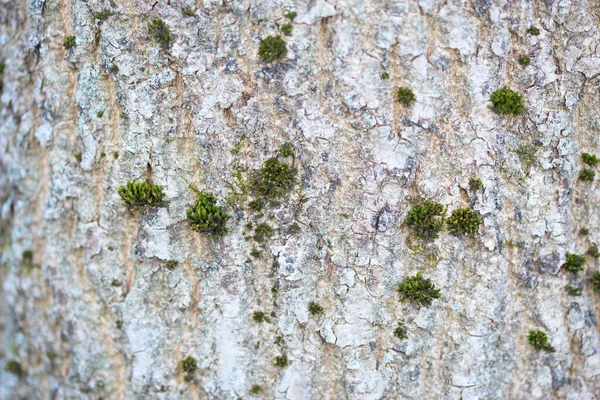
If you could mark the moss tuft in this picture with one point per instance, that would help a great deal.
(70, 42)
(539, 340)
(140, 195)
(256, 205)
(282, 361)
(272, 48)
(160, 33)
(189, 365)
(426, 219)
(475, 184)
(274, 180)
(533, 30)
(587, 175)
(464, 221)
(287, 29)
(400, 332)
(418, 290)
(524, 60)
(14, 367)
(574, 263)
(507, 102)
(590, 159)
(405, 96)
(206, 217)
(314, 308)
(262, 232)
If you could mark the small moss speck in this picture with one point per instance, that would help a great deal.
(103, 15)
(160, 33)
(171, 265)
(587, 175)
(256, 205)
(526, 154)
(314, 308)
(574, 291)
(286, 150)
(27, 256)
(100, 114)
(282, 361)
(596, 281)
(116, 283)
(115, 154)
(206, 217)
(539, 340)
(533, 30)
(405, 96)
(524, 60)
(255, 253)
(272, 48)
(385, 75)
(188, 12)
(584, 231)
(70, 42)
(188, 364)
(574, 263)
(400, 332)
(78, 156)
(119, 324)
(507, 102)
(102, 154)
(590, 159)
(255, 389)
(140, 195)
(287, 29)
(464, 221)
(14, 367)
(113, 69)
(293, 228)
(475, 184)
(263, 232)
(593, 251)
(260, 317)
(291, 15)
(418, 290)
(426, 219)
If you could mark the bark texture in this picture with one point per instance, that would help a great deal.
(96, 314)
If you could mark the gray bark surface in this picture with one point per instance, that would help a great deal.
(96, 314)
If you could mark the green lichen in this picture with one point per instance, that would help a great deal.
(291, 15)
(524, 60)
(574, 263)
(426, 219)
(533, 30)
(274, 180)
(418, 290)
(574, 291)
(590, 159)
(262, 232)
(103, 15)
(260, 317)
(507, 102)
(160, 33)
(69, 42)
(314, 308)
(475, 184)
(464, 221)
(526, 154)
(272, 48)
(287, 29)
(171, 265)
(593, 251)
(587, 175)
(405, 96)
(286, 150)
(206, 217)
(596, 281)
(539, 340)
(14, 367)
(282, 361)
(141, 195)
(189, 365)
(400, 332)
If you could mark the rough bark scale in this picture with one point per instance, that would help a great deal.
(361, 156)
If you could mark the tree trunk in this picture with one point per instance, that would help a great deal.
(100, 300)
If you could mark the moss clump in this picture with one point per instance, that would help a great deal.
(14, 367)
(282, 361)
(188, 365)
(262, 232)
(291, 15)
(400, 332)
(287, 29)
(160, 33)
(426, 219)
(272, 48)
(524, 60)
(475, 184)
(314, 308)
(206, 217)
(596, 281)
(69, 42)
(539, 340)
(286, 150)
(418, 290)
(533, 30)
(256, 205)
(405, 96)
(593, 251)
(255, 389)
(587, 175)
(260, 317)
(590, 159)
(464, 221)
(574, 291)
(140, 195)
(507, 102)
(103, 15)
(171, 265)
(274, 179)
(574, 263)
